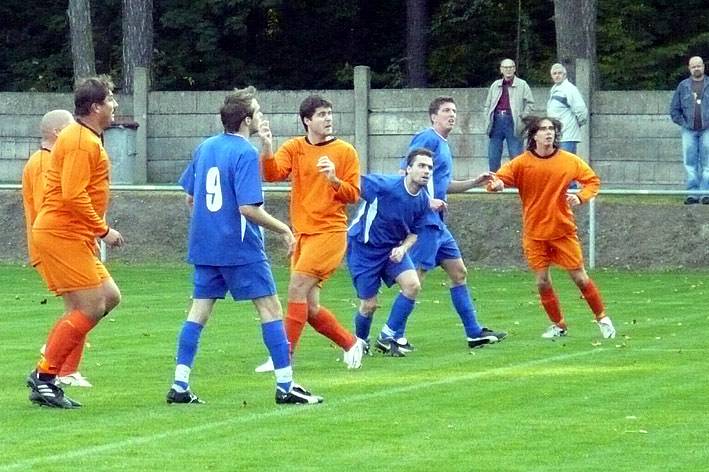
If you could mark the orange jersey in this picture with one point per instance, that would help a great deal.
(33, 194)
(316, 206)
(542, 184)
(76, 188)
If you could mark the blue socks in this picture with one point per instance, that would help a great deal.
(274, 337)
(399, 314)
(465, 307)
(187, 344)
(363, 324)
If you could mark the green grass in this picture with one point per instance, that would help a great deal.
(636, 403)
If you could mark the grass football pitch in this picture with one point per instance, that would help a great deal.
(639, 402)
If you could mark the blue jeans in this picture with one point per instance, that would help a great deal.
(503, 129)
(568, 146)
(695, 150)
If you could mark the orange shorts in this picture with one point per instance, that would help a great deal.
(68, 265)
(564, 252)
(319, 255)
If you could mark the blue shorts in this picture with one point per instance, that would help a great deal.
(433, 246)
(370, 266)
(244, 282)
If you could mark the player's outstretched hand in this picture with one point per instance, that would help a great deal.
(113, 238)
(484, 178)
(573, 200)
(495, 184)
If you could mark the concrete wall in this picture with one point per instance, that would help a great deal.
(633, 143)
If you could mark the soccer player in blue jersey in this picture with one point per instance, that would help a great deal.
(378, 242)
(435, 245)
(223, 185)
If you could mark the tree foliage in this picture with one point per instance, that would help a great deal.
(315, 44)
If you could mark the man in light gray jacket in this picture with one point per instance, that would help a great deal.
(566, 105)
(508, 101)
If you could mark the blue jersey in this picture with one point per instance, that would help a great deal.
(389, 213)
(224, 174)
(442, 167)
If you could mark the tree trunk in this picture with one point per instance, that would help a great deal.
(575, 22)
(137, 39)
(82, 42)
(416, 30)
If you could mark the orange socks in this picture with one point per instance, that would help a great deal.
(68, 333)
(296, 317)
(550, 302)
(326, 324)
(593, 298)
(71, 364)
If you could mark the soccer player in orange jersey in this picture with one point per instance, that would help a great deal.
(32, 197)
(542, 175)
(65, 232)
(324, 175)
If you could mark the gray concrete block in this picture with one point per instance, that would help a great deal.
(172, 102)
(639, 126)
(632, 102)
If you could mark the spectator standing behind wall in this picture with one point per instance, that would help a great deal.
(690, 109)
(566, 105)
(508, 101)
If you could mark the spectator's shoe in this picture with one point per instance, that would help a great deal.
(692, 201)
(353, 357)
(486, 336)
(296, 396)
(554, 331)
(607, 328)
(265, 367)
(46, 393)
(186, 397)
(705, 200)
(405, 346)
(74, 380)
(389, 347)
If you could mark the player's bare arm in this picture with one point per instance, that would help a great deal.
(256, 214)
(458, 186)
(397, 254)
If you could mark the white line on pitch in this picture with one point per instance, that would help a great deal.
(94, 450)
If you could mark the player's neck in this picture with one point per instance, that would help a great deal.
(92, 122)
(411, 187)
(544, 151)
(315, 138)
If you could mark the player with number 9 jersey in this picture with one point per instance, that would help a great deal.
(224, 174)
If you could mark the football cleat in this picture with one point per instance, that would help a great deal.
(606, 326)
(265, 367)
(353, 357)
(186, 397)
(389, 347)
(74, 380)
(554, 331)
(296, 396)
(486, 336)
(404, 345)
(46, 393)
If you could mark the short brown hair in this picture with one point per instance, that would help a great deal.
(411, 157)
(89, 91)
(309, 105)
(437, 102)
(237, 106)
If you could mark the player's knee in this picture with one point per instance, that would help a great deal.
(411, 289)
(112, 300)
(459, 275)
(368, 307)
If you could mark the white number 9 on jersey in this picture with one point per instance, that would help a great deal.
(214, 190)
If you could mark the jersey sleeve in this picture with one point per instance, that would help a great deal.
(187, 178)
(75, 178)
(506, 173)
(247, 180)
(278, 166)
(348, 191)
(590, 182)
